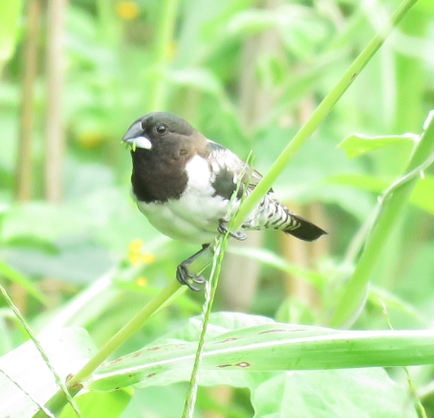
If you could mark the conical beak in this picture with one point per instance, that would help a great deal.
(135, 138)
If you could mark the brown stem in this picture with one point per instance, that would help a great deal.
(23, 173)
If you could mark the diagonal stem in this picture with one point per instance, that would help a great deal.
(391, 208)
(312, 123)
(319, 114)
(171, 291)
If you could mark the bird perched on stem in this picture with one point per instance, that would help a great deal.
(183, 183)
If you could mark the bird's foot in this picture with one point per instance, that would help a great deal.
(223, 229)
(185, 276)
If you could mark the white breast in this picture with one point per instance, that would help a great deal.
(194, 217)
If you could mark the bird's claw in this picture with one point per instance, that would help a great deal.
(186, 277)
(223, 229)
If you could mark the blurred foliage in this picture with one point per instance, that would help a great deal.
(246, 74)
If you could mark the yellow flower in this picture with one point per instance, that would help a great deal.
(89, 139)
(141, 281)
(147, 257)
(135, 254)
(127, 9)
(135, 245)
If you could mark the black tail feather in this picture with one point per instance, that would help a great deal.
(306, 230)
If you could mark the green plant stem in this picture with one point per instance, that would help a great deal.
(421, 413)
(315, 119)
(319, 114)
(172, 289)
(164, 37)
(47, 361)
(170, 292)
(391, 209)
(56, 403)
(165, 297)
(219, 251)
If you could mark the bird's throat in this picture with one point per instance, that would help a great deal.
(157, 179)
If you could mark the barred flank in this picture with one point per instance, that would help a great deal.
(271, 214)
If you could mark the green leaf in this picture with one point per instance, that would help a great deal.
(266, 348)
(234, 340)
(332, 393)
(99, 405)
(9, 18)
(357, 144)
(362, 181)
(24, 369)
(421, 197)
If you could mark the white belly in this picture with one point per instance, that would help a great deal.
(178, 221)
(194, 217)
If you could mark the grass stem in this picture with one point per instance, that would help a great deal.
(319, 114)
(170, 292)
(391, 208)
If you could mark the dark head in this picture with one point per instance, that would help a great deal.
(164, 134)
(161, 145)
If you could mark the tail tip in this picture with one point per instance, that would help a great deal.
(306, 231)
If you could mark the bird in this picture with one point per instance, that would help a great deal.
(185, 184)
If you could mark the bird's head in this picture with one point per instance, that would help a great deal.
(162, 132)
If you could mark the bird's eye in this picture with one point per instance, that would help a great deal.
(161, 129)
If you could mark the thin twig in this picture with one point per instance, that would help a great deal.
(40, 349)
(40, 406)
(219, 248)
(319, 114)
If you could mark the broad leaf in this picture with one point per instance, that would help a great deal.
(26, 378)
(421, 197)
(258, 357)
(357, 144)
(266, 348)
(358, 393)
